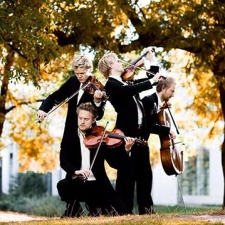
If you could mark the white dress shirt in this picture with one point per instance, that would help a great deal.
(85, 156)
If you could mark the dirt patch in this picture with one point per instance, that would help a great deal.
(13, 216)
(214, 218)
(210, 218)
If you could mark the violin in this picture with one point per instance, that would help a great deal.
(129, 71)
(111, 139)
(93, 85)
(171, 155)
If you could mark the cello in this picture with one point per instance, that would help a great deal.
(170, 154)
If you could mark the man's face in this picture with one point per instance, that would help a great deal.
(82, 74)
(85, 120)
(168, 93)
(117, 65)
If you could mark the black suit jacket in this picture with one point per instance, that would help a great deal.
(70, 158)
(150, 104)
(121, 98)
(66, 90)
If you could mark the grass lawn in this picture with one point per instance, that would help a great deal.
(164, 216)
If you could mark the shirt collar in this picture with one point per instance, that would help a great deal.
(116, 77)
(159, 101)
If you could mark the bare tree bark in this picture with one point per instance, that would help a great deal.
(222, 97)
(5, 88)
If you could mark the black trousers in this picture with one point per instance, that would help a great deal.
(93, 194)
(137, 170)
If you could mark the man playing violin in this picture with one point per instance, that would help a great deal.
(125, 99)
(86, 178)
(82, 67)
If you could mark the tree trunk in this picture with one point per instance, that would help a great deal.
(4, 88)
(222, 97)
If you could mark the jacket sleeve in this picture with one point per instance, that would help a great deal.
(115, 88)
(151, 117)
(65, 91)
(159, 129)
(69, 160)
(117, 157)
(100, 110)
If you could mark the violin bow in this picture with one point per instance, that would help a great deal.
(66, 100)
(138, 67)
(100, 143)
(96, 153)
(139, 58)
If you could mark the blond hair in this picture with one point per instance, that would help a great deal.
(87, 106)
(104, 64)
(165, 83)
(81, 61)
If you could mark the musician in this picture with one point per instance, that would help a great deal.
(82, 67)
(125, 99)
(165, 90)
(86, 183)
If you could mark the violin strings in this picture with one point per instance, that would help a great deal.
(138, 67)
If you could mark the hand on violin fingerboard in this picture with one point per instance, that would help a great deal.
(165, 105)
(129, 142)
(150, 56)
(98, 95)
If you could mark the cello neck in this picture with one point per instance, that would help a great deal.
(175, 125)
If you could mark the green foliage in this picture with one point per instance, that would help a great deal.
(186, 209)
(29, 184)
(37, 31)
(23, 32)
(28, 194)
(45, 206)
